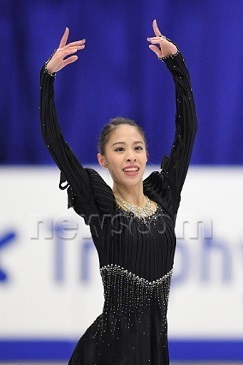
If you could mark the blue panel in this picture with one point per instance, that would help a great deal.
(216, 350)
(117, 74)
(12, 350)
(180, 350)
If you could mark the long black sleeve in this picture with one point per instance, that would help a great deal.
(185, 121)
(168, 183)
(79, 180)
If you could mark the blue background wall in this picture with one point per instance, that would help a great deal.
(117, 74)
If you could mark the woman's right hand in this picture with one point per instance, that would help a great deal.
(64, 55)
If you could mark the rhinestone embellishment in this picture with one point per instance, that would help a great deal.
(132, 298)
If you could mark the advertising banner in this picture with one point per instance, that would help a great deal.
(50, 285)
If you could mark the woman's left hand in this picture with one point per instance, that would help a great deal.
(160, 45)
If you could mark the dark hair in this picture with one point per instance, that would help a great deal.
(111, 126)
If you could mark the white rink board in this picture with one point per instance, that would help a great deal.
(52, 287)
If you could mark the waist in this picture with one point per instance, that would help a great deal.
(126, 290)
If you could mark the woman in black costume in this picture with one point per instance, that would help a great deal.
(132, 224)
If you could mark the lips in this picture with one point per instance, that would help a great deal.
(131, 169)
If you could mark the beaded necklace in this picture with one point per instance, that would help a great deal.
(140, 212)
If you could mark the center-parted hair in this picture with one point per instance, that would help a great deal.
(111, 126)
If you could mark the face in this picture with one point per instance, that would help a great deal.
(125, 155)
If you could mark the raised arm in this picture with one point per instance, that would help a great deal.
(72, 171)
(176, 165)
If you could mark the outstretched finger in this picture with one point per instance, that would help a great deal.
(71, 50)
(64, 38)
(156, 40)
(75, 44)
(156, 29)
(69, 60)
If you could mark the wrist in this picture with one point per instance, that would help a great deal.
(46, 70)
(170, 56)
(53, 74)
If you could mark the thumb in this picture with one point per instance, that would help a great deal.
(155, 50)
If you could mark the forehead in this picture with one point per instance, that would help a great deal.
(124, 133)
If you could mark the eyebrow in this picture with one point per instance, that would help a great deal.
(137, 142)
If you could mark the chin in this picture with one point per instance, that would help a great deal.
(132, 181)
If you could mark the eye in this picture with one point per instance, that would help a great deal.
(119, 149)
(139, 148)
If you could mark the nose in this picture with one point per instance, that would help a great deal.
(131, 155)
(131, 158)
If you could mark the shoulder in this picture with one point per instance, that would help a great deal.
(157, 181)
(102, 192)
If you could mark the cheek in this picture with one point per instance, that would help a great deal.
(114, 163)
(143, 163)
(145, 158)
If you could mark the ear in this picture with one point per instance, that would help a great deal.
(147, 156)
(101, 160)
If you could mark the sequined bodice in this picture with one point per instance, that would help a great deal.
(130, 296)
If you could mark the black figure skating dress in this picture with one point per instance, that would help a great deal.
(136, 254)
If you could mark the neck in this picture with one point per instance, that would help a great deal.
(131, 194)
